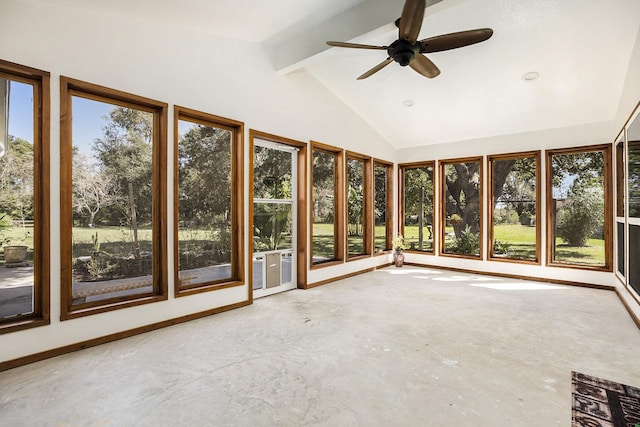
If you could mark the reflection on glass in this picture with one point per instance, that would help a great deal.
(462, 192)
(17, 199)
(514, 208)
(323, 184)
(381, 239)
(418, 208)
(112, 198)
(204, 203)
(578, 208)
(634, 178)
(355, 207)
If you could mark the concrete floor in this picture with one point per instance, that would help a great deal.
(395, 347)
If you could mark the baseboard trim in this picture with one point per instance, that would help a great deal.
(635, 318)
(32, 358)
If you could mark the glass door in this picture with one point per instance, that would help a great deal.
(274, 210)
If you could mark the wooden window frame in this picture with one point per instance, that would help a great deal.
(301, 255)
(367, 173)
(71, 87)
(339, 207)
(388, 206)
(237, 198)
(40, 80)
(443, 208)
(608, 206)
(536, 155)
(402, 167)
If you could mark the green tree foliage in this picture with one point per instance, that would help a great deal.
(380, 194)
(355, 207)
(125, 153)
(514, 184)
(272, 226)
(416, 179)
(272, 174)
(323, 186)
(583, 216)
(463, 196)
(204, 167)
(16, 179)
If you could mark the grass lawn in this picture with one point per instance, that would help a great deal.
(113, 240)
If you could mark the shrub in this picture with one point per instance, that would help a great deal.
(468, 243)
(582, 217)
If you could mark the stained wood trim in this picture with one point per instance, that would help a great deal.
(21, 361)
(536, 155)
(608, 206)
(40, 80)
(388, 206)
(402, 167)
(367, 173)
(443, 207)
(71, 87)
(339, 202)
(236, 128)
(301, 254)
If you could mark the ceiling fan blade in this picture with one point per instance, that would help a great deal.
(356, 45)
(424, 66)
(375, 69)
(411, 20)
(454, 40)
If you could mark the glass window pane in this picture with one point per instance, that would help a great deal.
(418, 208)
(578, 208)
(514, 208)
(112, 200)
(620, 179)
(382, 239)
(462, 190)
(17, 219)
(272, 226)
(204, 203)
(272, 174)
(323, 184)
(355, 207)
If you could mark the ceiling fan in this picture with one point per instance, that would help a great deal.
(407, 50)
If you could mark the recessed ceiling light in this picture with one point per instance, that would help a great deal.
(408, 103)
(532, 75)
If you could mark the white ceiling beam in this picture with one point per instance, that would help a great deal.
(290, 49)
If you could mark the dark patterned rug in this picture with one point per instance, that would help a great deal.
(603, 403)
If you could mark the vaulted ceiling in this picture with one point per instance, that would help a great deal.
(580, 49)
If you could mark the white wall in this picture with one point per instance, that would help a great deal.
(219, 76)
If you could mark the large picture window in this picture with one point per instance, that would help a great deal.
(24, 200)
(208, 197)
(579, 207)
(514, 226)
(461, 207)
(416, 206)
(327, 243)
(113, 198)
(383, 205)
(358, 194)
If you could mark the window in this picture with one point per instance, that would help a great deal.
(579, 207)
(461, 208)
(633, 203)
(208, 196)
(416, 206)
(514, 226)
(383, 205)
(113, 199)
(327, 204)
(358, 193)
(24, 205)
(620, 207)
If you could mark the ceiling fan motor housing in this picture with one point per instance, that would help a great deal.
(403, 52)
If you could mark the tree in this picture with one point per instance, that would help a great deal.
(125, 153)
(16, 179)
(204, 168)
(93, 189)
(583, 215)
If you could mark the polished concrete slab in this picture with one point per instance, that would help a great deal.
(398, 346)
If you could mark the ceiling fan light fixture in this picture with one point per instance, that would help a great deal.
(530, 76)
